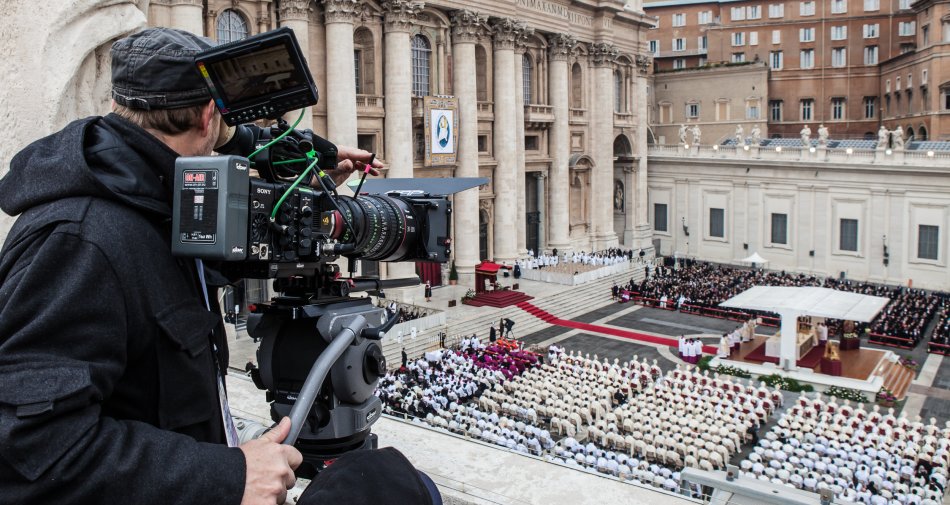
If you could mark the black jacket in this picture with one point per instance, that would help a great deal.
(108, 391)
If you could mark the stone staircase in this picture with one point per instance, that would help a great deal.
(897, 378)
(566, 304)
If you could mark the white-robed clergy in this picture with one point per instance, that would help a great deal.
(724, 346)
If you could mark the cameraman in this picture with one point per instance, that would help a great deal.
(112, 355)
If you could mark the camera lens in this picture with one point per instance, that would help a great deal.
(386, 227)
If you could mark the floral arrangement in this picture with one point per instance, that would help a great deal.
(846, 394)
(469, 294)
(850, 335)
(909, 363)
(886, 396)
(704, 362)
(734, 371)
(788, 384)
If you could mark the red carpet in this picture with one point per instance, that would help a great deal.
(617, 332)
(811, 359)
(499, 299)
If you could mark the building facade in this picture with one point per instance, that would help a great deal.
(880, 216)
(548, 106)
(825, 58)
(915, 84)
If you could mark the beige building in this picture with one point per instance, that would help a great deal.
(547, 94)
(717, 99)
(876, 215)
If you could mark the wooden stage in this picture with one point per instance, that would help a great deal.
(855, 364)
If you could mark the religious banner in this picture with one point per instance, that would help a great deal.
(441, 130)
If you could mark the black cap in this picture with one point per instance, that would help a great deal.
(155, 69)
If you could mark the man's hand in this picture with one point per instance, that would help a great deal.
(270, 467)
(352, 159)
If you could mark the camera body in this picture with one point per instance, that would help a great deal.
(276, 229)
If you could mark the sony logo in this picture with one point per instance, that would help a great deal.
(263, 191)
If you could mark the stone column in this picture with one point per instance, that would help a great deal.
(542, 212)
(603, 56)
(560, 47)
(399, 16)
(295, 14)
(340, 93)
(631, 201)
(505, 31)
(188, 15)
(521, 216)
(643, 232)
(467, 26)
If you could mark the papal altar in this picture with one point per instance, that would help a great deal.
(804, 343)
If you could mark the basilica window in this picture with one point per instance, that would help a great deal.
(526, 77)
(230, 26)
(421, 65)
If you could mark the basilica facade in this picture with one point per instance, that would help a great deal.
(551, 106)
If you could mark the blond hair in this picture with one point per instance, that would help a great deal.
(167, 121)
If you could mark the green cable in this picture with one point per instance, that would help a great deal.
(282, 135)
(273, 214)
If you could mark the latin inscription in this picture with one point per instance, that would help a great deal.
(558, 10)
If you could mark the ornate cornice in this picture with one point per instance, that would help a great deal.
(561, 46)
(506, 32)
(341, 11)
(467, 26)
(603, 54)
(401, 14)
(644, 63)
(295, 9)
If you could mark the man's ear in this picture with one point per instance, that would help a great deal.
(205, 125)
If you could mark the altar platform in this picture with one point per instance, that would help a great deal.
(859, 364)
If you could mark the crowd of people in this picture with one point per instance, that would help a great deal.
(941, 334)
(707, 285)
(606, 257)
(631, 421)
(862, 457)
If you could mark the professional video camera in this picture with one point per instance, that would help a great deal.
(290, 225)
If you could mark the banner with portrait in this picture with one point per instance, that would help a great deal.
(441, 130)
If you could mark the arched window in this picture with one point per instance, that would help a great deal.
(481, 73)
(577, 87)
(618, 91)
(231, 26)
(421, 63)
(364, 56)
(526, 78)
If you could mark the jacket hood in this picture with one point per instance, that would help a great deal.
(106, 157)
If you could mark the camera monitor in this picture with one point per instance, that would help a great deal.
(260, 77)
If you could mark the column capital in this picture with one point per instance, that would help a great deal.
(540, 175)
(400, 14)
(644, 63)
(467, 26)
(193, 3)
(340, 11)
(295, 10)
(521, 41)
(603, 54)
(507, 31)
(561, 46)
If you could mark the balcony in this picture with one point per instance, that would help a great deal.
(623, 119)
(370, 105)
(486, 111)
(578, 116)
(417, 108)
(682, 54)
(538, 116)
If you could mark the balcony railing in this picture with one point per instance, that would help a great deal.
(682, 54)
(369, 102)
(623, 118)
(538, 116)
(486, 110)
(814, 155)
(578, 116)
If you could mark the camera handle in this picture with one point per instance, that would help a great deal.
(318, 373)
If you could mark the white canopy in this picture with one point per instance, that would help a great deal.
(809, 301)
(755, 259)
